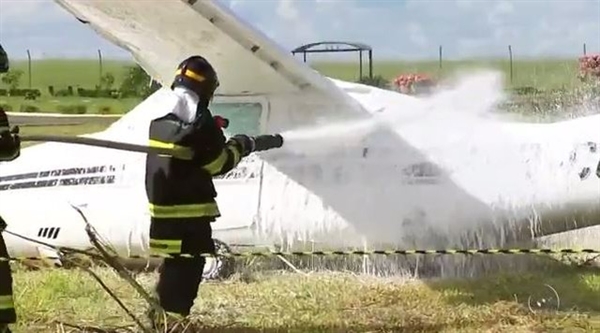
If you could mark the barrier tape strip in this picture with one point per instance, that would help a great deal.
(342, 253)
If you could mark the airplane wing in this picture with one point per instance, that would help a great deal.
(159, 41)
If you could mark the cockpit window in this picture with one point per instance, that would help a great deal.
(244, 118)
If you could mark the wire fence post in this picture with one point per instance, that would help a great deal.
(29, 67)
(99, 67)
(440, 57)
(510, 62)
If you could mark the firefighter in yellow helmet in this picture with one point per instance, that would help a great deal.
(180, 190)
(10, 149)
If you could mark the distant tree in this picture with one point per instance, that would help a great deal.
(377, 81)
(138, 81)
(107, 81)
(12, 78)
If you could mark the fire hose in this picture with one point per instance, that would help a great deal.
(261, 143)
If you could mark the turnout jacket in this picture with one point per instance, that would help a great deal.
(180, 189)
(7, 306)
(10, 149)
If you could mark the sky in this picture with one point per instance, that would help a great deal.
(396, 29)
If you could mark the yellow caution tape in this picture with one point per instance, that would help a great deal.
(344, 253)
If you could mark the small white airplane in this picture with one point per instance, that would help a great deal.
(422, 183)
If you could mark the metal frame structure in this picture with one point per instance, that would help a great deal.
(337, 46)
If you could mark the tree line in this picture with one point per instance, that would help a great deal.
(135, 83)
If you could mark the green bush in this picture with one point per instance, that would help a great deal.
(29, 108)
(72, 109)
(105, 109)
(97, 92)
(17, 92)
(527, 90)
(63, 93)
(136, 83)
(6, 107)
(88, 93)
(32, 94)
(377, 81)
(107, 81)
(12, 78)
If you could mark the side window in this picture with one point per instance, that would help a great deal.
(244, 118)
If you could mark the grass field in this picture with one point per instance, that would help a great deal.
(61, 73)
(280, 301)
(89, 127)
(543, 74)
(51, 104)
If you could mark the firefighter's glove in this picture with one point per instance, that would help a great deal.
(247, 143)
(10, 144)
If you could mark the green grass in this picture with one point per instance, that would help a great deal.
(544, 74)
(89, 126)
(51, 104)
(327, 302)
(60, 72)
(86, 128)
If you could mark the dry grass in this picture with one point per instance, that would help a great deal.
(279, 301)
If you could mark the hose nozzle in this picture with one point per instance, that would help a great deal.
(267, 142)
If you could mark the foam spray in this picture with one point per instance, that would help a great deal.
(466, 101)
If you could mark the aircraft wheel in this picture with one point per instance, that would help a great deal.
(219, 268)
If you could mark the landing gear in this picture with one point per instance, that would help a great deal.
(219, 268)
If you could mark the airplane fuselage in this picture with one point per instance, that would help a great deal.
(403, 186)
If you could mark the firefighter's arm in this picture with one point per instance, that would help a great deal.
(213, 152)
(10, 144)
(240, 146)
(229, 156)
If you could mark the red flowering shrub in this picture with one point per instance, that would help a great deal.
(413, 83)
(589, 67)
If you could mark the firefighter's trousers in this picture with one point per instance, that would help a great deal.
(179, 278)
(7, 309)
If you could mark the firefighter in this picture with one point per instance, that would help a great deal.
(180, 189)
(10, 149)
